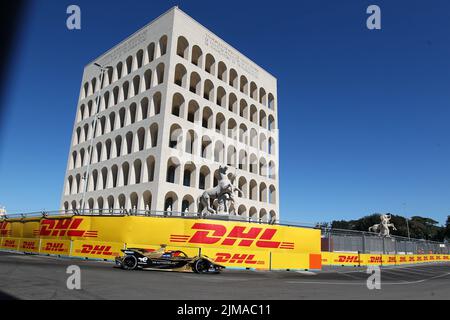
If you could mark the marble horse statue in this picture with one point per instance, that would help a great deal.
(383, 228)
(223, 192)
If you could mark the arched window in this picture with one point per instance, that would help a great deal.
(197, 56)
(173, 170)
(149, 170)
(221, 97)
(254, 91)
(219, 152)
(244, 85)
(262, 97)
(206, 151)
(151, 52)
(189, 175)
(191, 142)
(220, 123)
(156, 104)
(178, 105)
(204, 178)
(207, 118)
(176, 137)
(195, 83)
(182, 47)
(193, 112)
(233, 79)
(180, 75)
(263, 192)
(159, 74)
(222, 71)
(208, 93)
(210, 64)
(162, 46)
(152, 140)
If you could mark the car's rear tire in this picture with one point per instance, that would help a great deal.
(129, 263)
(201, 266)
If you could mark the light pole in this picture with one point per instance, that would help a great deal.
(94, 129)
(407, 221)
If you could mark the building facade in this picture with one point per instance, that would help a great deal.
(176, 103)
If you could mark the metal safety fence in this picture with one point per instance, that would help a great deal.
(337, 240)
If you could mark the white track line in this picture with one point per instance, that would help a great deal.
(364, 283)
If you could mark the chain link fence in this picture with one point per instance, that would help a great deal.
(336, 240)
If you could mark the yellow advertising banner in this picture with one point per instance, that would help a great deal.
(389, 259)
(242, 258)
(29, 245)
(55, 247)
(371, 259)
(9, 243)
(96, 249)
(340, 258)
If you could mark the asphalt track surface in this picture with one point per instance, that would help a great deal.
(41, 277)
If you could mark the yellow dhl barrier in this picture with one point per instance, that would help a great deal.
(356, 259)
(233, 244)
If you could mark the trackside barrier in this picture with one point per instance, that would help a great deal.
(233, 244)
(359, 259)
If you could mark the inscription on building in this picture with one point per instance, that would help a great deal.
(124, 49)
(230, 55)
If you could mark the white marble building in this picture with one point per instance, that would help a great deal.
(177, 103)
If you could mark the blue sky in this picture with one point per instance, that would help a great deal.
(363, 115)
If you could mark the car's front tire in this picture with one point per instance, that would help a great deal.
(129, 263)
(201, 266)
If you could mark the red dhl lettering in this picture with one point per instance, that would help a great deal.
(236, 258)
(412, 259)
(9, 244)
(54, 247)
(208, 233)
(64, 227)
(391, 259)
(348, 259)
(376, 259)
(403, 259)
(4, 230)
(31, 245)
(96, 250)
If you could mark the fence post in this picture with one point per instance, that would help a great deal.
(363, 243)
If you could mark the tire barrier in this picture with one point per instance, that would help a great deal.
(232, 244)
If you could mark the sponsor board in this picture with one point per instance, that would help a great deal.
(96, 249)
(56, 247)
(239, 258)
(9, 243)
(340, 258)
(29, 245)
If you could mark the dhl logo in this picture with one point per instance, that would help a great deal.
(403, 259)
(375, 259)
(29, 245)
(412, 259)
(65, 227)
(348, 259)
(445, 258)
(10, 244)
(55, 247)
(4, 230)
(425, 258)
(419, 258)
(236, 258)
(241, 236)
(392, 259)
(97, 250)
(431, 258)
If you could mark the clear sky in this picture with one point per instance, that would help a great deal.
(364, 115)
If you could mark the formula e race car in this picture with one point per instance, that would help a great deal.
(177, 260)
